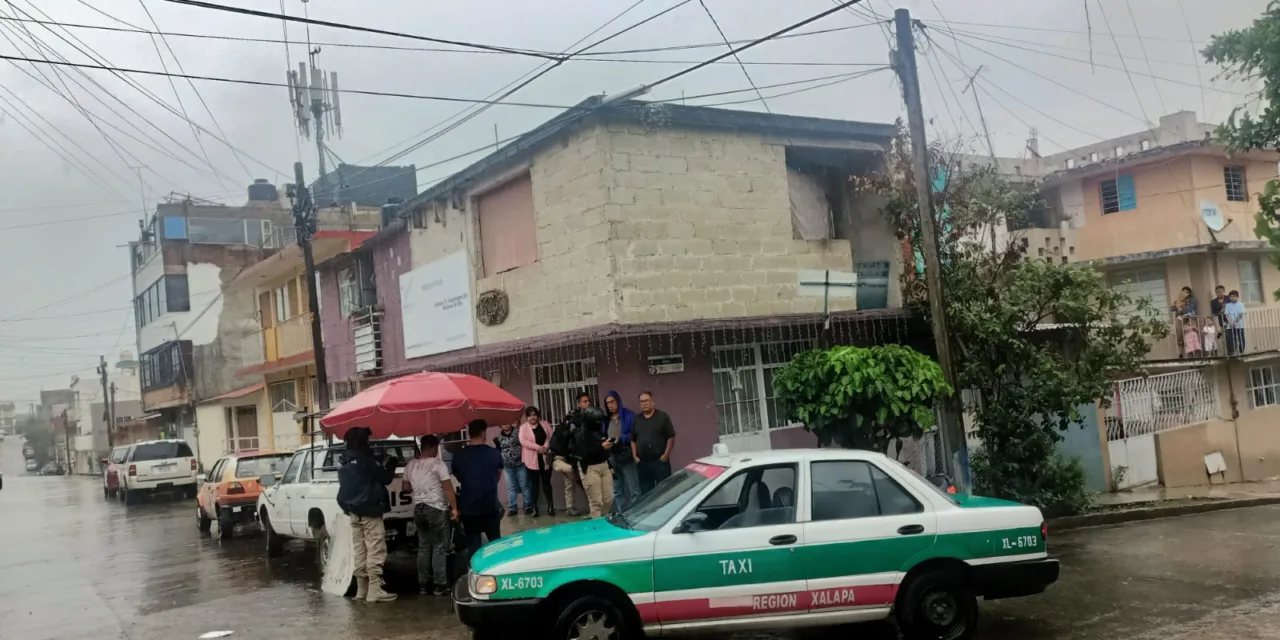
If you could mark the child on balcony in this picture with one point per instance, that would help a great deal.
(1191, 337)
(1210, 336)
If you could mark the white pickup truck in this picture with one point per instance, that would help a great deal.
(302, 504)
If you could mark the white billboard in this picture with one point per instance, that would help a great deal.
(435, 303)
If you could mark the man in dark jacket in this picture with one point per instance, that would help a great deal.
(362, 495)
(626, 482)
(591, 450)
(564, 463)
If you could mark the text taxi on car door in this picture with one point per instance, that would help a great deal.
(765, 540)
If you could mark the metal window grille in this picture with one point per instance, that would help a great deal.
(1263, 389)
(742, 379)
(1110, 196)
(283, 397)
(1142, 406)
(1237, 188)
(556, 385)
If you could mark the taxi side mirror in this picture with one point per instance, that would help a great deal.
(267, 480)
(694, 523)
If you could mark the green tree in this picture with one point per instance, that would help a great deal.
(1035, 341)
(1253, 54)
(861, 398)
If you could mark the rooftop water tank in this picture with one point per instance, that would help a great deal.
(262, 191)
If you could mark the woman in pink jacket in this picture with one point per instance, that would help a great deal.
(535, 435)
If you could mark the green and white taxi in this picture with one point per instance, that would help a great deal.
(764, 540)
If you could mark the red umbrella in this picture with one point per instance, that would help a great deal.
(424, 403)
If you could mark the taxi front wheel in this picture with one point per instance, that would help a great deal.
(938, 605)
(591, 618)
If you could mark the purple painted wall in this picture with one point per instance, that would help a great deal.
(339, 349)
(390, 260)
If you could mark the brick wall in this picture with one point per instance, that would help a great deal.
(700, 227)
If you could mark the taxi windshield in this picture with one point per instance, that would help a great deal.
(657, 507)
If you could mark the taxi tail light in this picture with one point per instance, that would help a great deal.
(235, 488)
(1044, 532)
(133, 470)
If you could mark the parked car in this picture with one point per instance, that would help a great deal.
(158, 466)
(51, 469)
(28, 451)
(765, 541)
(305, 499)
(31, 465)
(229, 492)
(112, 465)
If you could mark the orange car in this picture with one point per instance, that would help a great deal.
(230, 490)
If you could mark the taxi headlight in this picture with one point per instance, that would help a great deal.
(484, 585)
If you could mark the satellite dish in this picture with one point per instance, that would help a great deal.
(1212, 216)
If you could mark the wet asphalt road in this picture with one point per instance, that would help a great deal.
(75, 566)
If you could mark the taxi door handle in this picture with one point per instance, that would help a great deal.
(911, 529)
(779, 541)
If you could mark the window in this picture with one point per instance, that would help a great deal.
(1250, 281)
(215, 474)
(555, 385)
(291, 472)
(1145, 145)
(1237, 188)
(160, 451)
(283, 399)
(1263, 390)
(177, 296)
(166, 365)
(118, 455)
(508, 230)
(304, 473)
(258, 467)
(1093, 157)
(856, 489)
(216, 230)
(1071, 163)
(347, 291)
(1119, 152)
(1142, 283)
(168, 294)
(175, 228)
(1118, 195)
(742, 378)
(757, 497)
(811, 208)
(656, 508)
(280, 296)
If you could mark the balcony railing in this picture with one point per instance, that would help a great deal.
(1212, 337)
(289, 338)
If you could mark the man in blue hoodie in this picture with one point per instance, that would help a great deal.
(626, 480)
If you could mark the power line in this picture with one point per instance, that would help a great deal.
(849, 78)
(261, 83)
(735, 55)
(1053, 30)
(1195, 59)
(349, 27)
(791, 83)
(511, 88)
(1124, 64)
(97, 287)
(751, 44)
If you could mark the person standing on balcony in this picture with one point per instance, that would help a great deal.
(1186, 304)
(514, 470)
(535, 436)
(1234, 313)
(1218, 305)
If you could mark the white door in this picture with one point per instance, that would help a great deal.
(286, 495)
(1148, 282)
(742, 562)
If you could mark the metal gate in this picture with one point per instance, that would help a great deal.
(1142, 407)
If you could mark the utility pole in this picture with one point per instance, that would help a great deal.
(991, 149)
(951, 426)
(111, 416)
(304, 219)
(106, 401)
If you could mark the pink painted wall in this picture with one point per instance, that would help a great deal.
(390, 260)
(339, 349)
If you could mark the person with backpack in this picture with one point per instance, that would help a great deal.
(362, 495)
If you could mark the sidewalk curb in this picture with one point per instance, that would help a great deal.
(1153, 513)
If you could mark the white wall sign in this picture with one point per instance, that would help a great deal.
(435, 302)
(666, 364)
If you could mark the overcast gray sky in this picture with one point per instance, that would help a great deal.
(40, 346)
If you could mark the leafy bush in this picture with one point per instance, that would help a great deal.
(1056, 483)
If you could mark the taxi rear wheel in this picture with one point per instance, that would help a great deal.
(591, 618)
(938, 605)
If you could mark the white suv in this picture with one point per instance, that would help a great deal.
(158, 466)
